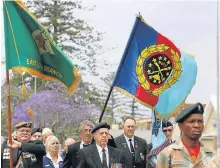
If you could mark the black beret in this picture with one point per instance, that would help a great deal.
(166, 123)
(34, 130)
(23, 124)
(186, 112)
(101, 125)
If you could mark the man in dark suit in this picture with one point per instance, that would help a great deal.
(134, 147)
(71, 159)
(25, 153)
(99, 154)
(67, 142)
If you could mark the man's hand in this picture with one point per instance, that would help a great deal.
(15, 144)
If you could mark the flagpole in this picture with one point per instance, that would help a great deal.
(218, 90)
(35, 85)
(9, 116)
(120, 67)
(106, 102)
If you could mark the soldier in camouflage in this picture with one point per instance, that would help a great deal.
(215, 162)
(188, 151)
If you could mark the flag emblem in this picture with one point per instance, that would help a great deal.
(42, 43)
(154, 71)
(158, 67)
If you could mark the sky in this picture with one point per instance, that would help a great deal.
(190, 25)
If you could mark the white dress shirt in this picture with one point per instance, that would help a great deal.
(81, 144)
(60, 159)
(106, 152)
(128, 142)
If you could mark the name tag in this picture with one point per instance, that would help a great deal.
(177, 162)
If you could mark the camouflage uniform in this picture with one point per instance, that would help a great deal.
(177, 156)
(215, 162)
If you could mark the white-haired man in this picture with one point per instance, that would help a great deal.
(72, 156)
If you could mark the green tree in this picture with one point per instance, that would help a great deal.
(73, 35)
(115, 100)
(133, 108)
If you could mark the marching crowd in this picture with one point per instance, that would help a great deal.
(40, 148)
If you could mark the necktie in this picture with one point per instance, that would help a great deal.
(132, 148)
(104, 161)
(85, 145)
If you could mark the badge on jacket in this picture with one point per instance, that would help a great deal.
(141, 156)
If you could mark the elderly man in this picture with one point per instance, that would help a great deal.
(67, 142)
(134, 147)
(46, 132)
(188, 151)
(72, 156)
(167, 127)
(36, 134)
(25, 153)
(99, 154)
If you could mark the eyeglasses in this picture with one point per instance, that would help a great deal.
(168, 130)
(85, 131)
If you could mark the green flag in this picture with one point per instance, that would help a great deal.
(29, 48)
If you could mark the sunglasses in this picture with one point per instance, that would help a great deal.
(168, 130)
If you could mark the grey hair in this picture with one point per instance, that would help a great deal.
(85, 122)
(129, 118)
(45, 130)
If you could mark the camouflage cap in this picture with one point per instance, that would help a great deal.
(101, 125)
(23, 124)
(186, 112)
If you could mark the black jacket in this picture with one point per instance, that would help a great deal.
(71, 159)
(140, 148)
(89, 157)
(32, 153)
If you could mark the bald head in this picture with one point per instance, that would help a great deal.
(45, 133)
(68, 142)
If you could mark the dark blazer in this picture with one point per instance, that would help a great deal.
(72, 156)
(89, 157)
(140, 148)
(149, 147)
(47, 163)
(32, 153)
(5, 155)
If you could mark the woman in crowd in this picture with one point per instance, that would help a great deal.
(53, 158)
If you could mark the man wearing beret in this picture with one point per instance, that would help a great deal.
(188, 151)
(71, 159)
(36, 134)
(99, 154)
(167, 128)
(25, 153)
(134, 147)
